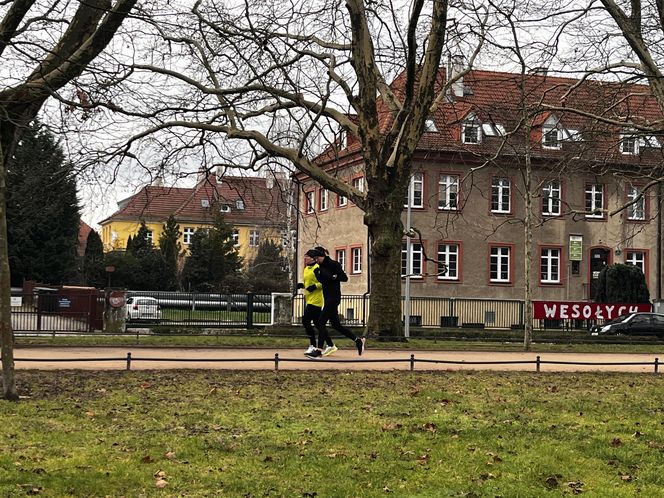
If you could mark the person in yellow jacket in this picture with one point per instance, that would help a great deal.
(313, 299)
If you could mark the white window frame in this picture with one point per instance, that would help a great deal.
(235, 235)
(416, 259)
(149, 236)
(415, 191)
(591, 195)
(342, 200)
(323, 198)
(448, 192)
(187, 234)
(501, 191)
(448, 253)
(636, 211)
(358, 183)
(552, 198)
(310, 198)
(340, 256)
(636, 258)
(254, 238)
(356, 258)
(471, 124)
(629, 144)
(500, 258)
(550, 261)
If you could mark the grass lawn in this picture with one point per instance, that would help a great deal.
(323, 434)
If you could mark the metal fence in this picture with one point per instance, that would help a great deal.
(191, 309)
(55, 312)
(444, 312)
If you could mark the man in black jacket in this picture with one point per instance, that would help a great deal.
(330, 274)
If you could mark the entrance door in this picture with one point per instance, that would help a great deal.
(599, 258)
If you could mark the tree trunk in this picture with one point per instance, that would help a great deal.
(528, 250)
(6, 334)
(385, 232)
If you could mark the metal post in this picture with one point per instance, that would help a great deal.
(128, 361)
(412, 362)
(250, 310)
(538, 363)
(406, 307)
(656, 365)
(276, 361)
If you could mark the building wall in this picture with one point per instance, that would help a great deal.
(476, 229)
(115, 234)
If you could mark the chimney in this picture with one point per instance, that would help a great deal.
(454, 67)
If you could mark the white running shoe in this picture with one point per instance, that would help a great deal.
(309, 350)
(329, 350)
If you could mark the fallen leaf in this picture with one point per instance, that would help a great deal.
(391, 426)
(160, 474)
(430, 426)
(161, 483)
(90, 414)
(625, 478)
(170, 455)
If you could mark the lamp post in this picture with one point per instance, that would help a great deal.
(406, 305)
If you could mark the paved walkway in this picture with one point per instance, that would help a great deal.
(146, 358)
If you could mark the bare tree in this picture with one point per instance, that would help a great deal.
(287, 79)
(44, 45)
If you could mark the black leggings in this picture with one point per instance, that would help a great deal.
(311, 315)
(331, 312)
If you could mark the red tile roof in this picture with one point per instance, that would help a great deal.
(262, 205)
(500, 98)
(83, 231)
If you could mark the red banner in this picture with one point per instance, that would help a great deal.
(556, 310)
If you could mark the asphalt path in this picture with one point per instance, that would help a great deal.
(151, 358)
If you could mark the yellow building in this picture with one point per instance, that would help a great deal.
(254, 207)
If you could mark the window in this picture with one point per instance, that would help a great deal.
(629, 144)
(637, 210)
(594, 200)
(358, 183)
(449, 255)
(236, 237)
(416, 259)
(636, 258)
(551, 198)
(340, 256)
(356, 256)
(225, 208)
(322, 199)
(309, 200)
(148, 236)
(416, 190)
(239, 204)
(471, 132)
(342, 200)
(500, 195)
(551, 138)
(187, 233)
(550, 266)
(448, 192)
(254, 236)
(499, 264)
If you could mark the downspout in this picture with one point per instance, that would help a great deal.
(368, 292)
(659, 241)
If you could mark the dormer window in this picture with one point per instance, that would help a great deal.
(629, 144)
(471, 132)
(225, 208)
(239, 204)
(551, 138)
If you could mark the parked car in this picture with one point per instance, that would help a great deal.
(639, 323)
(143, 308)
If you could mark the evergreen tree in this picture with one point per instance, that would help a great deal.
(170, 249)
(622, 284)
(93, 261)
(141, 244)
(268, 272)
(213, 263)
(42, 211)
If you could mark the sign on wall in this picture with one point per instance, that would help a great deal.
(557, 310)
(575, 247)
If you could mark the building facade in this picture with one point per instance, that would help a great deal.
(579, 157)
(256, 208)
